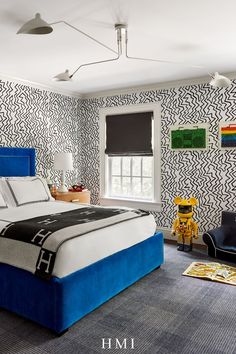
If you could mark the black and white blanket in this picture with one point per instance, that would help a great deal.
(40, 238)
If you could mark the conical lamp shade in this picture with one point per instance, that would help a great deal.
(36, 26)
(63, 76)
(220, 81)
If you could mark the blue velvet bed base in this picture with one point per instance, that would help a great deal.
(59, 303)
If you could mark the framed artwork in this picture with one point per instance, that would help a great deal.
(189, 137)
(227, 135)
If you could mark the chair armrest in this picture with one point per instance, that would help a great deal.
(223, 235)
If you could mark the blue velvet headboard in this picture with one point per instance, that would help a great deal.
(17, 161)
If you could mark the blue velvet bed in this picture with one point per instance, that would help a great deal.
(57, 304)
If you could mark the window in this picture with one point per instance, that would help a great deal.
(130, 177)
(127, 178)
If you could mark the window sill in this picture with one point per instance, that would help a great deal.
(137, 204)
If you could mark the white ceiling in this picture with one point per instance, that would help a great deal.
(198, 32)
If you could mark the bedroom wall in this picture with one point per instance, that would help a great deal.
(208, 175)
(47, 121)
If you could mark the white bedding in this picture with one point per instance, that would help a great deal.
(82, 251)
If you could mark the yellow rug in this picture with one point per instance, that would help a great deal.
(212, 271)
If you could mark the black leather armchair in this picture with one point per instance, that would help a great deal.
(221, 242)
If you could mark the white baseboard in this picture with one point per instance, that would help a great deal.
(167, 235)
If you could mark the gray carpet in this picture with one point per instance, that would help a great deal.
(164, 313)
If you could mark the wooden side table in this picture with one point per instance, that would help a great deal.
(74, 197)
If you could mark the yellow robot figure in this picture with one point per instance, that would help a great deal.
(184, 227)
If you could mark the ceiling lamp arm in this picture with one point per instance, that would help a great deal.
(217, 80)
(85, 34)
(158, 60)
(94, 63)
(166, 62)
(65, 76)
(103, 61)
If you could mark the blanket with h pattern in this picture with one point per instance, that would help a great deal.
(41, 237)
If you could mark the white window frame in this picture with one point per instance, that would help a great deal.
(155, 204)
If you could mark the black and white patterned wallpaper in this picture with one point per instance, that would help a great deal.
(51, 122)
(47, 121)
(208, 175)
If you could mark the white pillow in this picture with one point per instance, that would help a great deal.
(6, 193)
(3, 203)
(28, 190)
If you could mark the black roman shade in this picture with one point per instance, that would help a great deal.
(129, 134)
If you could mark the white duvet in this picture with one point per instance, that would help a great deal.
(82, 251)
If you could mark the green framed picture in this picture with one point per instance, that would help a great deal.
(188, 137)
